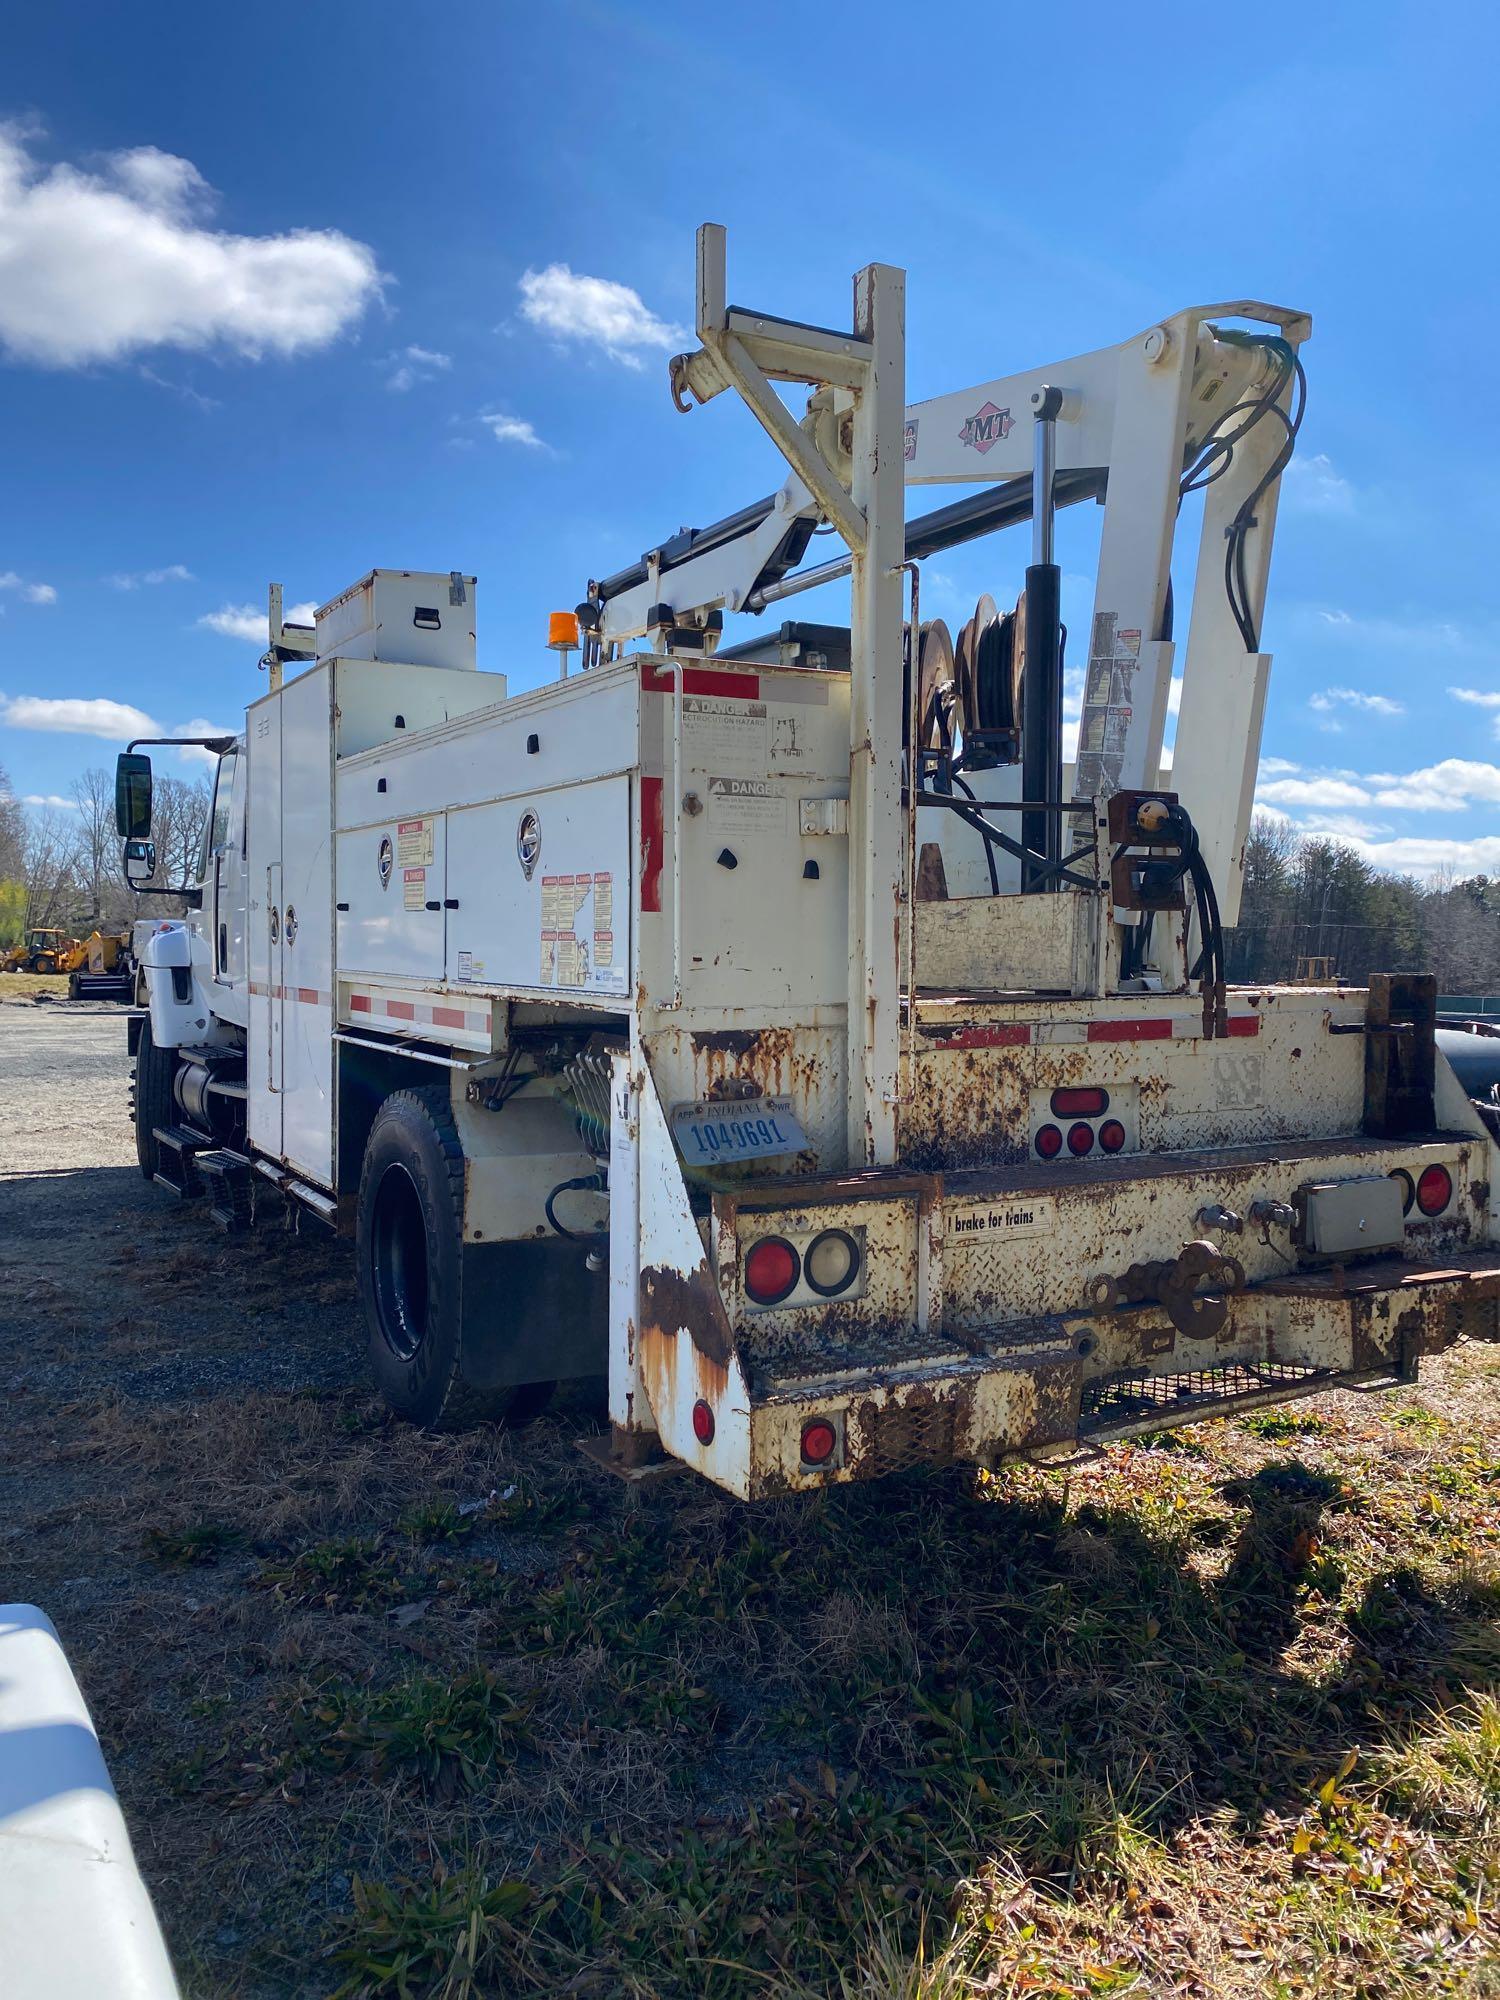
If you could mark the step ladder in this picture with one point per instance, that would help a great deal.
(177, 1152)
(225, 1176)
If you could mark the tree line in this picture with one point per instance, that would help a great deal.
(1308, 897)
(61, 865)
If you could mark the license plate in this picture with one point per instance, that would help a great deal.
(708, 1135)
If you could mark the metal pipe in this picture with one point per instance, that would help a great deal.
(1041, 686)
(791, 586)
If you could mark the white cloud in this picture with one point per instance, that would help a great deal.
(98, 264)
(1409, 856)
(607, 315)
(1342, 826)
(410, 365)
(31, 593)
(50, 799)
(1370, 704)
(114, 721)
(1402, 633)
(133, 579)
(511, 430)
(243, 621)
(1446, 787)
(1327, 791)
(1275, 767)
(199, 726)
(240, 621)
(1312, 486)
(1476, 696)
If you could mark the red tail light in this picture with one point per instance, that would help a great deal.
(1434, 1190)
(1049, 1142)
(771, 1270)
(1112, 1135)
(1079, 1103)
(819, 1441)
(1080, 1140)
(703, 1422)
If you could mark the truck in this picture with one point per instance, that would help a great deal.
(785, 1028)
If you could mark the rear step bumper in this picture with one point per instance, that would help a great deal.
(1085, 1378)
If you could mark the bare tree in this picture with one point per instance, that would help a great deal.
(98, 843)
(49, 864)
(179, 808)
(12, 863)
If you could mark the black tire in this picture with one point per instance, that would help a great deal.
(151, 1096)
(408, 1251)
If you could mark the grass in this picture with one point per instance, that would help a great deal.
(27, 985)
(395, 1715)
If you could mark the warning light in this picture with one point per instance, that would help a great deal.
(703, 1422)
(562, 631)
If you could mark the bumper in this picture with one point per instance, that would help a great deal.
(1078, 1379)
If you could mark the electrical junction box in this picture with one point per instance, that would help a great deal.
(1341, 1217)
(410, 617)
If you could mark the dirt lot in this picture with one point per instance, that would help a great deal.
(399, 1714)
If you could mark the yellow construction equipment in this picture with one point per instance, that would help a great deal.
(45, 949)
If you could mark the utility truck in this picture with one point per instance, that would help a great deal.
(781, 1027)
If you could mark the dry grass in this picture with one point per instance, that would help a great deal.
(27, 985)
(391, 1714)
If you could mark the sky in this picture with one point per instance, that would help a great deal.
(297, 291)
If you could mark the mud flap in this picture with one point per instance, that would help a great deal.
(685, 1347)
(532, 1312)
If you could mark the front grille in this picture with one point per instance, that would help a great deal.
(1135, 1396)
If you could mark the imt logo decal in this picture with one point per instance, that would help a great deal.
(986, 428)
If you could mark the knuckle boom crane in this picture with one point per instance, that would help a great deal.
(785, 1028)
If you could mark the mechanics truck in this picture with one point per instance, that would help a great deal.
(781, 1026)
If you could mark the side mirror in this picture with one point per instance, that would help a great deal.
(140, 857)
(132, 796)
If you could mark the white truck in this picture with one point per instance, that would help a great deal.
(780, 1028)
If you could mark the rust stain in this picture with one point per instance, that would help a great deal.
(672, 1301)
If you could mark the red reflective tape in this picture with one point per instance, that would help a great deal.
(401, 1010)
(1244, 1024)
(359, 1003)
(653, 843)
(1130, 1031)
(449, 1017)
(1011, 1035)
(309, 995)
(702, 680)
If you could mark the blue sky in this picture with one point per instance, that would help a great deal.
(280, 297)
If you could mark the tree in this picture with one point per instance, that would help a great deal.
(12, 863)
(98, 843)
(49, 865)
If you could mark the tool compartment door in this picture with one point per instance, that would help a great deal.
(392, 885)
(539, 890)
(307, 926)
(263, 922)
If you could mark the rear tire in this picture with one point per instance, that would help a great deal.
(152, 1096)
(409, 1257)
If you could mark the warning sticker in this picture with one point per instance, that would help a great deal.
(414, 843)
(746, 805)
(414, 888)
(578, 930)
(1031, 1216)
(724, 735)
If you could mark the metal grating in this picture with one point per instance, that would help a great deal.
(911, 1434)
(1135, 1394)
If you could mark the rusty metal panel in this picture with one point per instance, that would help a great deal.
(686, 1349)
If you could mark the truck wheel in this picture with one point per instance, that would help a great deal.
(409, 1255)
(151, 1096)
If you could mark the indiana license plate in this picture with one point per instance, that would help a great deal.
(758, 1128)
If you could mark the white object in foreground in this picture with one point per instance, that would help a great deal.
(75, 1919)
